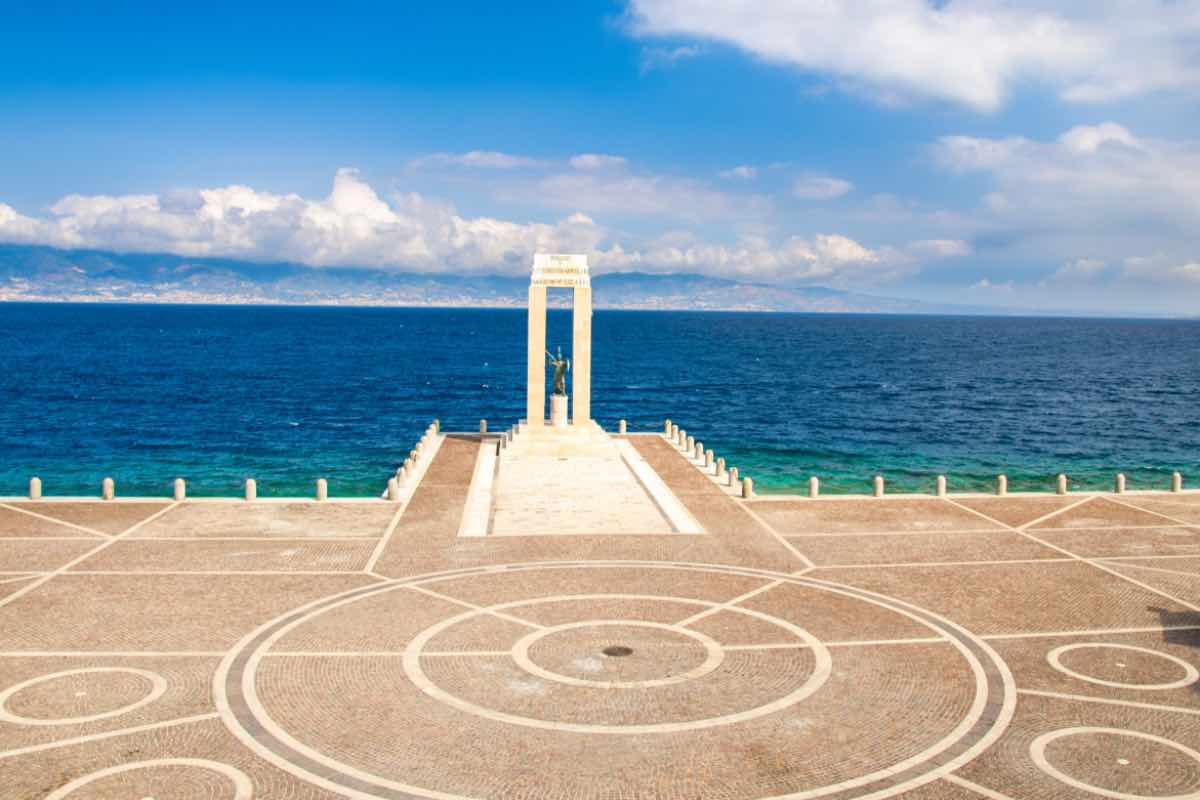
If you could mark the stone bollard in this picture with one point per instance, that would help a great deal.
(720, 467)
(1002, 485)
(941, 485)
(621, 426)
(437, 426)
(35, 488)
(180, 490)
(1176, 482)
(322, 490)
(393, 490)
(698, 452)
(747, 487)
(409, 463)
(483, 426)
(733, 476)
(666, 427)
(814, 486)
(1061, 484)
(401, 475)
(1119, 483)
(674, 432)
(878, 485)
(108, 489)
(708, 459)
(682, 440)
(689, 445)
(251, 489)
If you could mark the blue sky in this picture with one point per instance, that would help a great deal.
(972, 151)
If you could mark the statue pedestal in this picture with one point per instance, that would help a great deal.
(558, 410)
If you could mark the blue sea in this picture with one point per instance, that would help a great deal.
(215, 394)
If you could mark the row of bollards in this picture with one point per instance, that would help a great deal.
(406, 472)
(695, 451)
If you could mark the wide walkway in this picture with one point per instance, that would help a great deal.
(654, 637)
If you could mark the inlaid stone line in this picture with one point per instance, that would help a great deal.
(242, 785)
(1121, 502)
(1190, 673)
(992, 562)
(1160, 569)
(1097, 564)
(982, 791)
(405, 496)
(728, 604)
(112, 734)
(492, 610)
(24, 590)
(652, 484)
(236, 688)
(30, 513)
(1037, 751)
(157, 688)
(791, 548)
(1083, 698)
(1089, 632)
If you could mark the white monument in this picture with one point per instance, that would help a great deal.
(570, 272)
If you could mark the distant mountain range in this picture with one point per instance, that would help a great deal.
(46, 274)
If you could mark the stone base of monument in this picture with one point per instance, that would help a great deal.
(558, 410)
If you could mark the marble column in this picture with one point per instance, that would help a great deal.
(535, 398)
(581, 353)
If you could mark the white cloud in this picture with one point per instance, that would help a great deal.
(593, 161)
(1098, 189)
(355, 226)
(820, 187)
(663, 57)
(743, 172)
(939, 248)
(1161, 269)
(476, 159)
(1079, 270)
(970, 52)
(991, 287)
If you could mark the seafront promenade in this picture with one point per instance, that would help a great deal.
(577, 613)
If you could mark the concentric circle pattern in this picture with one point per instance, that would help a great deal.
(660, 674)
(1143, 765)
(1107, 664)
(77, 696)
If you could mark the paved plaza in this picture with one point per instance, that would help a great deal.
(646, 635)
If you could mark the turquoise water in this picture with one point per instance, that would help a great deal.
(216, 394)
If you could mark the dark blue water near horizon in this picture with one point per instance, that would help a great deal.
(215, 394)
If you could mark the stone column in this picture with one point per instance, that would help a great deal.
(535, 397)
(581, 354)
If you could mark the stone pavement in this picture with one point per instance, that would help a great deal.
(910, 647)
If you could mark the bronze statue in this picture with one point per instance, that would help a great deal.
(561, 365)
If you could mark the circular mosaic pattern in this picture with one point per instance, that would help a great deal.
(1145, 662)
(162, 779)
(80, 695)
(1125, 764)
(669, 669)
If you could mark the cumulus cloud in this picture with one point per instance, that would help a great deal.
(939, 248)
(969, 52)
(662, 57)
(742, 172)
(591, 161)
(355, 226)
(820, 187)
(477, 159)
(1079, 270)
(1161, 269)
(1099, 188)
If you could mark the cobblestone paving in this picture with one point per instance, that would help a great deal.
(917, 648)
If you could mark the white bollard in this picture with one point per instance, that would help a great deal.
(747, 487)
(322, 490)
(393, 490)
(814, 486)
(108, 489)
(720, 467)
(437, 425)
(708, 459)
(409, 463)
(878, 485)
(1176, 482)
(483, 426)
(251, 489)
(402, 474)
(1119, 484)
(1061, 484)
(941, 485)
(674, 432)
(1001, 485)
(621, 426)
(733, 476)
(666, 427)
(179, 490)
(699, 451)
(35, 488)
(689, 445)
(682, 440)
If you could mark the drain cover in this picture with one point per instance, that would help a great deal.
(617, 650)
